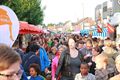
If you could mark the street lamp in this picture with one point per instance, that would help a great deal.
(83, 14)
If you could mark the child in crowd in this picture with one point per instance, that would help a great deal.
(103, 70)
(117, 61)
(84, 75)
(35, 72)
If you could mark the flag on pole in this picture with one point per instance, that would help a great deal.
(99, 29)
(110, 28)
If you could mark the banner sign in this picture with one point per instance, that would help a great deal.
(9, 26)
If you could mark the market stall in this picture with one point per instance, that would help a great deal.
(26, 28)
(25, 33)
(102, 35)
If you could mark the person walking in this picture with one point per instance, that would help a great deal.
(69, 62)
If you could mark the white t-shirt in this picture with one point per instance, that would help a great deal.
(88, 77)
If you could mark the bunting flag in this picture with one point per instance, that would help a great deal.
(99, 29)
(110, 28)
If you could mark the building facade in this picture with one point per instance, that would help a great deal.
(98, 12)
(116, 6)
(107, 9)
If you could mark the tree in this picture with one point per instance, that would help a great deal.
(27, 10)
(51, 24)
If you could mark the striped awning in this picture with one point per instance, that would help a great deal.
(102, 35)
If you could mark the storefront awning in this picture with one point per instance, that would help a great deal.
(26, 28)
(102, 35)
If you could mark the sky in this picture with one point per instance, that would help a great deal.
(68, 10)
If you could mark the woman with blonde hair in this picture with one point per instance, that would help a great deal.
(9, 64)
(114, 45)
(104, 70)
(109, 51)
(117, 62)
(108, 43)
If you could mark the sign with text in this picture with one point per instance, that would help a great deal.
(9, 26)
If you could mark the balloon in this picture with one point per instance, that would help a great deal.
(9, 26)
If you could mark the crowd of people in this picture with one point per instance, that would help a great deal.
(64, 57)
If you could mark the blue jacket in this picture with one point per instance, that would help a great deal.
(30, 58)
(44, 60)
(21, 53)
(24, 77)
(36, 78)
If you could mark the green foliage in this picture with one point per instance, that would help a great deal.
(51, 24)
(69, 30)
(27, 10)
